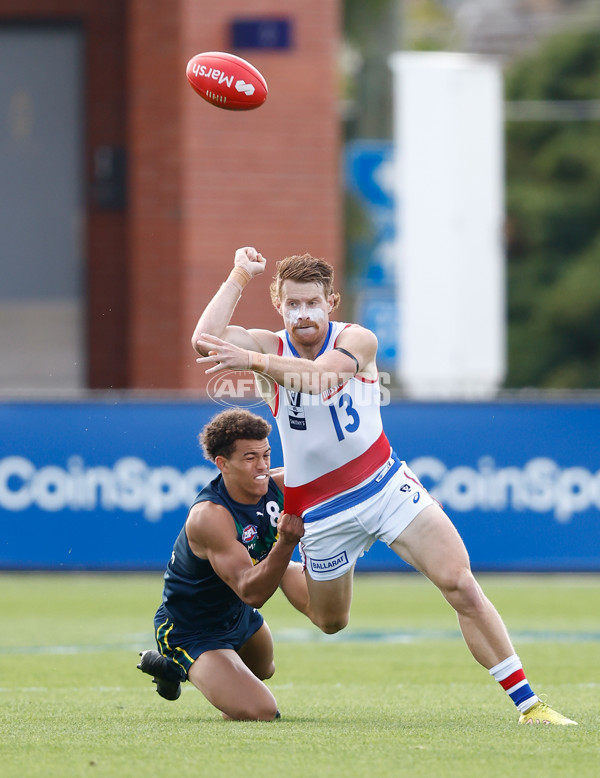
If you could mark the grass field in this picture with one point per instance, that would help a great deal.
(395, 694)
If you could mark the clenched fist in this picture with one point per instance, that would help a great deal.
(250, 260)
(290, 528)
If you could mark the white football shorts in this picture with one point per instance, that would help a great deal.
(331, 545)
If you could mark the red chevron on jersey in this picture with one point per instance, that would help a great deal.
(298, 499)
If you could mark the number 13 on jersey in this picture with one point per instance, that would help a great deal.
(345, 416)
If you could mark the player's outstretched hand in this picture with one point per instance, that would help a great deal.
(250, 260)
(290, 528)
(221, 355)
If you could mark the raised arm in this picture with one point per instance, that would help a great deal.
(300, 375)
(211, 534)
(217, 314)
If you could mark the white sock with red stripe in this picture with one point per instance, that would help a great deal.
(509, 674)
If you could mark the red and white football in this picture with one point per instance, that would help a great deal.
(226, 81)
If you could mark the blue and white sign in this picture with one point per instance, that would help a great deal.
(520, 481)
(369, 174)
(370, 178)
(97, 485)
(106, 486)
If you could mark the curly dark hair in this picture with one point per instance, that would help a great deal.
(304, 269)
(219, 436)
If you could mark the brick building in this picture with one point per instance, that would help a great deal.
(167, 185)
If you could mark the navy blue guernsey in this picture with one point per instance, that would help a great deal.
(193, 593)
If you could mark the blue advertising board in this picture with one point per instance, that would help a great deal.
(369, 173)
(106, 485)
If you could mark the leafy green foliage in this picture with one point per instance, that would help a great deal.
(361, 17)
(553, 229)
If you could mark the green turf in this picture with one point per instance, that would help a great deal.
(396, 694)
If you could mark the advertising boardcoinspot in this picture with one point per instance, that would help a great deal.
(106, 485)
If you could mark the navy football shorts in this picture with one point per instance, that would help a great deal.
(183, 646)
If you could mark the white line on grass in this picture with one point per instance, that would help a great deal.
(308, 635)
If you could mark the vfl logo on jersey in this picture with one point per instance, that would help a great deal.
(249, 533)
(296, 415)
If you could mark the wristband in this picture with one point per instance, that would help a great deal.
(259, 362)
(239, 276)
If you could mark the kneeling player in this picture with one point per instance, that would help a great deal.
(232, 553)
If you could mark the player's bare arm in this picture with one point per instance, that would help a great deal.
(293, 583)
(248, 263)
(211, 534)
(277, 474)
(297, 374)
(362, 344)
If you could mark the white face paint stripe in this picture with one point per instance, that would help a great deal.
(303, 311)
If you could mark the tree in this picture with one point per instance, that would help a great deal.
(553, 224)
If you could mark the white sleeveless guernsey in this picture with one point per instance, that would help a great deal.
(332, 442)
